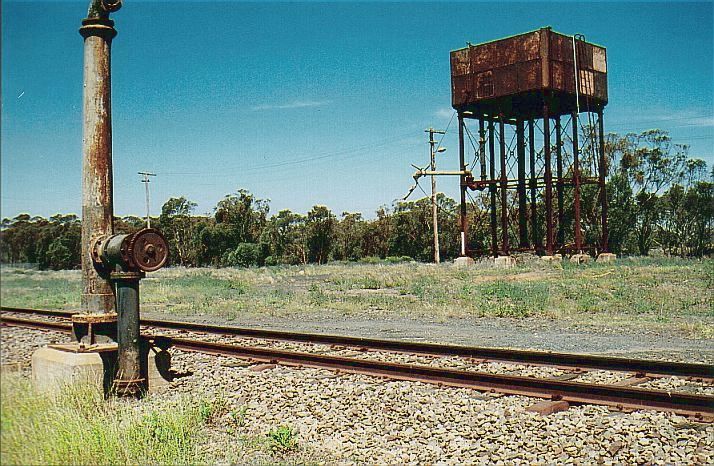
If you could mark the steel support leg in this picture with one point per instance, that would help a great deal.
(576, 185)
(604, 241)
(504, 188)
(535, 230)
(462, 207)
(559, 186)
(548, 183)
(492, 187)
(522, 201)
(482, 147)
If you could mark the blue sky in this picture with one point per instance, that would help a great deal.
(306, 103)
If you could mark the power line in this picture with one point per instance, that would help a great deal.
(366, 147)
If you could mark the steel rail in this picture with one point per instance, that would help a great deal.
(699, 407)
(36, 324)
(41, 312)
(583, 361)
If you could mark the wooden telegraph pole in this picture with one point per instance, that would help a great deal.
(145, 180)
(432, 151)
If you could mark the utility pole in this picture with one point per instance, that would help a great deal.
(432, 152)
(145, 180)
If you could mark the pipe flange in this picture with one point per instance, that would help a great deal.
(127, 276)
(95, 248)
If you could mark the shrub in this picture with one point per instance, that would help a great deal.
(398, 259)
(370, 260)
(244, 255)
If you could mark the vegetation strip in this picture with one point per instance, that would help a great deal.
(695, 370)
(700, 407)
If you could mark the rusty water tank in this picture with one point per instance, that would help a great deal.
(517, 75)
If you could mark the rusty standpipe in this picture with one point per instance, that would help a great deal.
(97, 197)
(128, 257)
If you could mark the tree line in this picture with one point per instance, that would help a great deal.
(659, 198)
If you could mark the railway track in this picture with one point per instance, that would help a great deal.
(622, 397)
(566, 360)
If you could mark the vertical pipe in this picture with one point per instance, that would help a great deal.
(559, 186)
(522, 201)
(576, 185)
(535, 233)
(604, 241)
(548, 183)
(97, 196)
(129, 381)
(462, 167)
(492, 187)
(504, 185)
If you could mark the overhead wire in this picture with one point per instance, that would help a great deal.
(366, 147)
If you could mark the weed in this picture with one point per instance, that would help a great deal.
(370, 283)
(282, 439)
(209, 411)
(317, 295)
(238, 416)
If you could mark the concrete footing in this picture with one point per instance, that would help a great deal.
(53, 369)
(606, 257)
(553, 258)
(580, 258)
(504, 262)
(463, 261)
(57, 366)
(157, 369)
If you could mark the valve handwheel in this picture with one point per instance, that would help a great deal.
(147, 250)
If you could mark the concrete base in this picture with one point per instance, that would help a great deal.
(553, 258)
(580, 258)
(463, 261)
(54, 368)
(504, 262)
(606, 257)
(157, 370)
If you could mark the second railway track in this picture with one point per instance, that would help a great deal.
(641, 367)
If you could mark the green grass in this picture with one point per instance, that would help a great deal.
(78, 426)
(666, 293)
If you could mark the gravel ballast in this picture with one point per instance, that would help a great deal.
(350, 418)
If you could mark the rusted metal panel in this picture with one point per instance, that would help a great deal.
(486, 76)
